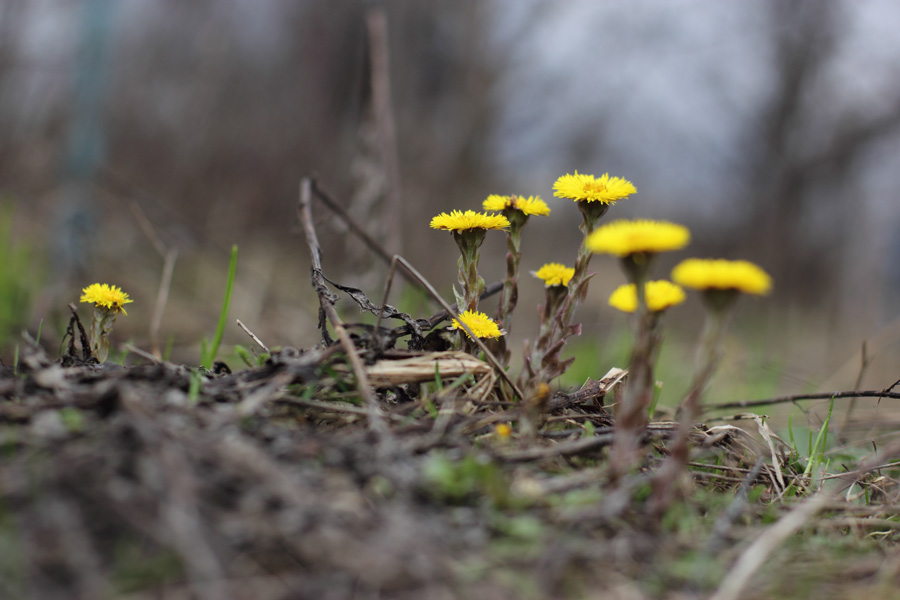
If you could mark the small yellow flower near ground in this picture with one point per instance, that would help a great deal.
(587, 188)
(623, 238)
(532, 205)
(107, 296)
(481, 325)
(721, 274)
(660, 294)
(555, 274)
(503, 430)
(458, 220)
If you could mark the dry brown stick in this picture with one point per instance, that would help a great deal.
(148, 229)
(380, 79)
(147, 355)
(858, 523)
(433, 320)
(561, 449)
(169, 255)
(162, 298)
(253, 336)
(326, 303)
(373, 245)
(762, 547)
(795, 397)
(337, 407)
(864, 363)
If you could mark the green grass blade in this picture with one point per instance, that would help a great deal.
(223, 316)
(818, 449)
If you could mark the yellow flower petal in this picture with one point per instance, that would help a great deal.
(622, 238)
(107, 296)
(480, 324)
(721, 274)
(587, 188)
(660, 294)
(555, 274)
(532, 205)
(458, 220)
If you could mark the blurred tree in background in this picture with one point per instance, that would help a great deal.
(770, 128)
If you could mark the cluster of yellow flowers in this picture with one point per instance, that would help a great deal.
(633, 241)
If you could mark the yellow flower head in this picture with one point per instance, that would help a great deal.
(555, 274)
(623, 238)
(107, 296)
(587, 188)
(480, 324)
(532, 205)
(721, 274)
(660, 294)
(503, 430)
(458, 220)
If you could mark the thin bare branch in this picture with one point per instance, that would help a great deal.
(377, 28)
(794, 398)
(253, 336)
(762, 547)
(326, 304)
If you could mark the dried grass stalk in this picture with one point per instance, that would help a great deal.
(417, 369)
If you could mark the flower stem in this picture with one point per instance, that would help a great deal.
(665, 484)
(556, 326)
(509, 296)
(631, 418)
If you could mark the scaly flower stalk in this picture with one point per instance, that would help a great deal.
(720, 283)
(470, 282)
(593, 195)
(468, 229)
(636, 243)
(108, 301)
(517, 209)
(541, 362)
(631, 418)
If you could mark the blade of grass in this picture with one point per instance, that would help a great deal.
(818, 450)
(223, 316)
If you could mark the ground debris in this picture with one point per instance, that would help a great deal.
(173, 481)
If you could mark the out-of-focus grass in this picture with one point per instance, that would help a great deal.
(20, 278)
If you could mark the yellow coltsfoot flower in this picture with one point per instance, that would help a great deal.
(623, 238)
(108, 300)
(660, 295)
(459, 221)
(555, 274)
(481, 325)
(721, 274)
(106, 296)
(587, 188)
(468, 230)
(532, 205)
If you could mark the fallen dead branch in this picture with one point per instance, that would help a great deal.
(846, 395)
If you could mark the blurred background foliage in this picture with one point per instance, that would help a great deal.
(130, 130)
